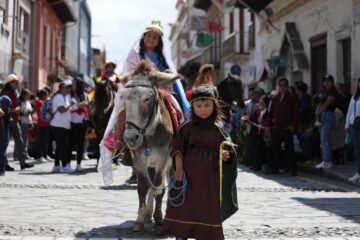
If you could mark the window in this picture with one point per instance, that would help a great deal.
(241, 29)
(3, 11)
(231, 19)
(346, 52)
(44, 45)
(2, 15)
(24, 21)
(318, 61)
(252, 34)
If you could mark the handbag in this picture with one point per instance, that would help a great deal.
(357, 119)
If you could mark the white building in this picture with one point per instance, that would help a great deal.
(6, 27)
(314, 37)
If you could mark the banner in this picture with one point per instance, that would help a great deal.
(212, 27)
(204, 40)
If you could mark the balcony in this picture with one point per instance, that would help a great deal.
(256, 6)
(203, 4)
(237, 44)
(63, 10)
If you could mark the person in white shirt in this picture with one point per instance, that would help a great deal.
(352, 126)
(26, 121)
(61, 125)
(79, 118)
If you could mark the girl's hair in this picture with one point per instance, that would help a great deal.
(158, 50)
(357, 93)
(203, 79)
(7, 88)
(80, 89)
(42, 93)
(216, 116)
(24, 92)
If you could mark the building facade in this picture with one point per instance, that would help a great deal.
(50, 19)
(6, 37)
(300, 39)
(314, 38)
(77, 42)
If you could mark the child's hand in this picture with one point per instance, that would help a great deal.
(225, 155)
(179, 174)
(16, 110)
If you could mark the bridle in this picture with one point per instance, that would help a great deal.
(154, 107)
(171, 185)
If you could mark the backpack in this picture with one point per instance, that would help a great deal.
(46, 114)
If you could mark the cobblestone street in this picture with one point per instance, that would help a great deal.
(37, 203)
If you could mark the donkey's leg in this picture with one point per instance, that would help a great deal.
(142, 192)
(158, 213)
(149, 206)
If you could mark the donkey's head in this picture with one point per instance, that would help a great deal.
(141, 98)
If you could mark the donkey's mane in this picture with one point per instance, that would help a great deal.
(144, 69)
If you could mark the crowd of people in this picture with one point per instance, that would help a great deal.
(288, 125)
(58, 117)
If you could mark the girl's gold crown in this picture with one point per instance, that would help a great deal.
(156, 27)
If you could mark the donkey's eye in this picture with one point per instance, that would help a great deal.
(147, 99)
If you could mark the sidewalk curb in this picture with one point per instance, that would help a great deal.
(310, 169)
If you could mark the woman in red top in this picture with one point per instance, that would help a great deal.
(43, 129)
(11, 85)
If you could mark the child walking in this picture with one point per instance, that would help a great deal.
(210, 195)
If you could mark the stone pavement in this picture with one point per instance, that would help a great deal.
(36, 204)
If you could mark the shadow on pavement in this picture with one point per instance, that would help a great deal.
(347, 208)
(121, 187)
(318, 184)
(124, 230)
(83, 172)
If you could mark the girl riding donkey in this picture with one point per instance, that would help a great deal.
(148, 48)
(205, 168)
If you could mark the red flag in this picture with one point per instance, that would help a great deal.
(212, 27)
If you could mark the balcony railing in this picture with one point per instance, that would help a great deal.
(237, 43)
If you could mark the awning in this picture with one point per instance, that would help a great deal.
(63, 10)
(293, 37)
(203, 4)
(256, 5)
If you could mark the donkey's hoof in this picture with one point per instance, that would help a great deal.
(138, 227)
(148, 220)
(157, 230)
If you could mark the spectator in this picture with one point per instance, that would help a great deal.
(79, 117)
(5, 103)
(26, 120)
(11, 85)
(344, 97)
(352, 125)
(43, 129)
(306, 119)
(60, 126)
(326, 114)
(251, 107)
(261, 137)
(205, 76)
(283, 117)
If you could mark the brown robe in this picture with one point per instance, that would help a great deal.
(200, 215)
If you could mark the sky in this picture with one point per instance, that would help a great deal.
(117, 24)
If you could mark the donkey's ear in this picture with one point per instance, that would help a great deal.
(165, 79)
(124, 78)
